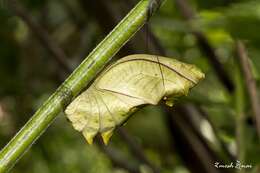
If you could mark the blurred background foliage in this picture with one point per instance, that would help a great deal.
(29, 73)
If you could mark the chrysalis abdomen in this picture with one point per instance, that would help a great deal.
(130, 82)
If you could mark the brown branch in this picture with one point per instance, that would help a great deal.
(250, 83)
(40, 33)
(205, 46)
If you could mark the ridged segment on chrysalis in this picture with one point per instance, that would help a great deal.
(121, 88)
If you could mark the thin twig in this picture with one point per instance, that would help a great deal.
(205, 46)
(250, 83)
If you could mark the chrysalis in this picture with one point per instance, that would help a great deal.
(128, 83)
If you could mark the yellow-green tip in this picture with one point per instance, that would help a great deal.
(89, 135)
(106, 136)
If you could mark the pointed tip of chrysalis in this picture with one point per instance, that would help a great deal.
(106, 136)
(89, 135)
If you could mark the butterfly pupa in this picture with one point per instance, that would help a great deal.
(130, 82)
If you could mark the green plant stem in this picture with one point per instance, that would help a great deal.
(78, 80)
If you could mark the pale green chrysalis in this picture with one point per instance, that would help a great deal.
(128, 83)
